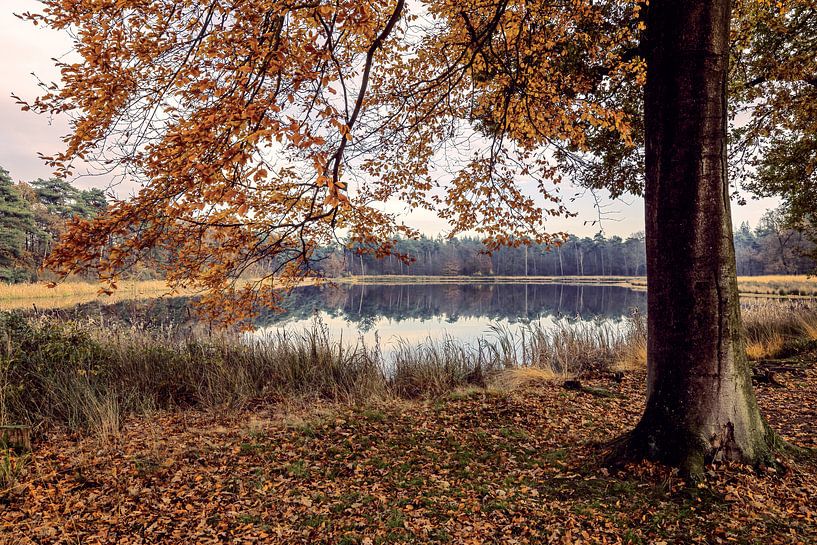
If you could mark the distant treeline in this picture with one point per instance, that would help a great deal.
(468, 256)
(33, 215)
(770, 248)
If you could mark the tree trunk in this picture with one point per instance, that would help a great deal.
(561, 265)
(601, 252)
(526, 260)
(700, 403)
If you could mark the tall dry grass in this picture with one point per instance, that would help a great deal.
(438, 366)
(89, 378)
(85, 377)
(69, 294)
(779, 284)
(772, 326)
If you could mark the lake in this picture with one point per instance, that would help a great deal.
(413, 312)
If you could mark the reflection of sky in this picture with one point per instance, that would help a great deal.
(388, 333)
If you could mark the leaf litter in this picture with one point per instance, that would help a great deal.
(479, 466)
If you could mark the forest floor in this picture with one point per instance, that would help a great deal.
(477, 466)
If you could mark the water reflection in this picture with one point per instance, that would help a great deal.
(414, 312)
(451, 303)
(408, 311)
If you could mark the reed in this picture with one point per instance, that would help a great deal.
(72, 289)
(87, 377)
(779, 285)
(436, 367)
(69, 294)
(765, 348)
(772, 326)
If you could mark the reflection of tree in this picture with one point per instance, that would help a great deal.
(148, 313)
(366, 323)
(334, 296)
(364, 305)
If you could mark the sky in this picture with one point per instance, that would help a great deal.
(26, 50)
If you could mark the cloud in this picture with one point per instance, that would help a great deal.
(25, 49)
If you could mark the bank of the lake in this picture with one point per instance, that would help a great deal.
(793, 286)
(68, 294)
(88, 374)
(516, 465)
(299, 437)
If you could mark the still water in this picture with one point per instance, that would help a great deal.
(465, 312)
(411, 312)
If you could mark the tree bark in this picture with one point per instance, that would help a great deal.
(15, 437)
(700, 403)
(561, 265)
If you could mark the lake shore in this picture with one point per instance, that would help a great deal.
(67, 294)
(301, 439)
(479, 465)
(794, 286)
(87, 372)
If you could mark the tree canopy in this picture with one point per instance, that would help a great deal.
(774, 91)
(16, 223)
(260, 129)
(33, 216)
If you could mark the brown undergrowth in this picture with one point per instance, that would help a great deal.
(508, 456)
(479, 466)
(89, 378)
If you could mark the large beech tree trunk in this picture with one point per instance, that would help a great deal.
(700, 401)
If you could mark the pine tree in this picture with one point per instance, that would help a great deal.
(16, 223)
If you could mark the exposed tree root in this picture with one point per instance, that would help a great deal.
(688, 452)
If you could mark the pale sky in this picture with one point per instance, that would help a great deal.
(26, 49)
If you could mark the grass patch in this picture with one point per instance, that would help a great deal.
(395, 519)
(374, 415)
(521, 377)
(771, 327)
(68, 294)
(790, 285)
(13, 468)
(91, 378)
(296, 469)
(765, 348)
